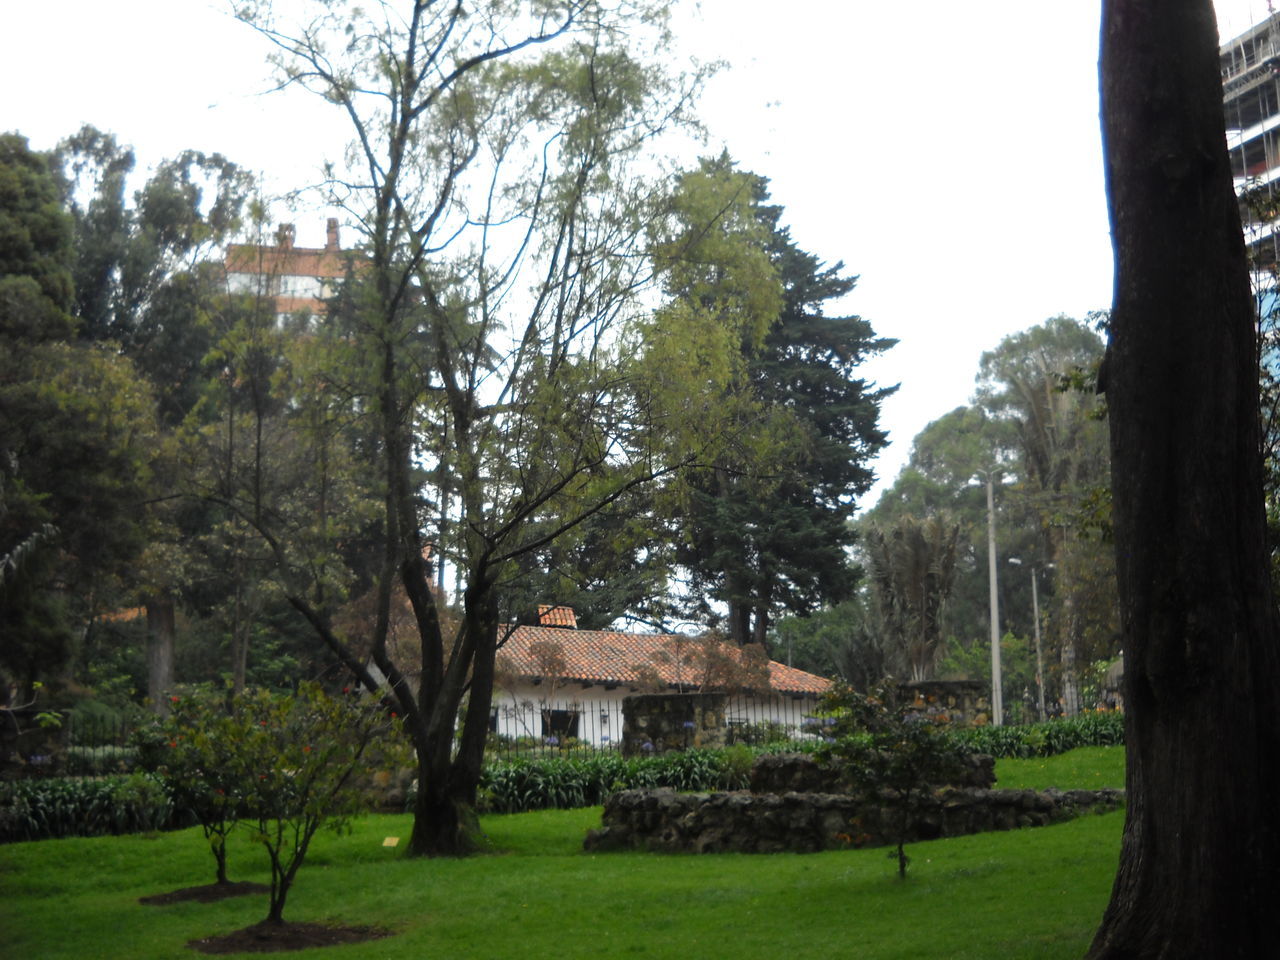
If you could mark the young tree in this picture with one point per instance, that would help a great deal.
(889, 752)
(297, 760)
(1197, 873)
(495, 185)
(194, 750)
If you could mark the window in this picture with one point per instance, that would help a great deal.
(292, 285)
(560, 723)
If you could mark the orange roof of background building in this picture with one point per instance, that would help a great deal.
(609, 657)
(284, 259)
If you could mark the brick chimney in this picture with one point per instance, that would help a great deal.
(331, 234)
(557, 616)
(284, 236)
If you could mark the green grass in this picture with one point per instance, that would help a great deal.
(1025, 894)
(1086, 768)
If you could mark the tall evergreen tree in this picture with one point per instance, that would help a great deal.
(768, 524)
(76, 430)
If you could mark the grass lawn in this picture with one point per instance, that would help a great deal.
(1088, 768)
(1030, 893)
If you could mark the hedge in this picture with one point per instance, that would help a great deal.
(84, 807)
(515, 786)
(35, 809)
(1092, 729)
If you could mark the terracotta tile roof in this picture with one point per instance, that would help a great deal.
(605, 656)
(557, 616)
(287, 261)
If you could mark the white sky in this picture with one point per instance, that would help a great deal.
(947, 152)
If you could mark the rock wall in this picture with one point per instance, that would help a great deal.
(663, 722)
(740, 822)
(960, 703)
(799, 772)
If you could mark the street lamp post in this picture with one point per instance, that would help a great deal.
(997, 694)
(1035, 609)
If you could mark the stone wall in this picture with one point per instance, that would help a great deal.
(799, 772)
(663, 722)
(740, 822)
(960, 703)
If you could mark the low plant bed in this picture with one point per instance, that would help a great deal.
(205, 893)
(266, 937)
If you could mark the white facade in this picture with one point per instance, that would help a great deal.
(592, 713)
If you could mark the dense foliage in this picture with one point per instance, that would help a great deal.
(585, 780)
(284, 764)
(1103, 728)
(85, 807)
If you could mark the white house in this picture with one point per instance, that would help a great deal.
(555, 681)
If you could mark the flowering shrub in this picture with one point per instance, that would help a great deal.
(284, 764)
(296, 761)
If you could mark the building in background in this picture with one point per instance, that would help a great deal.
(299, 280)
(556, 682)
(1251, 106)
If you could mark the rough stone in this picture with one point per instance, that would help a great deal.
(785, 772)
(666, 722)
(742, 822)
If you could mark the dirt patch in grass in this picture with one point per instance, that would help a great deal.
(209, 893)
(266, 937)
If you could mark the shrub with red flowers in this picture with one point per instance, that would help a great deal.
(194, 751)
(300, 760)
(284, 764)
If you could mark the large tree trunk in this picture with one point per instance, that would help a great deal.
(1197, 875)
(160, 644)
(445, 822)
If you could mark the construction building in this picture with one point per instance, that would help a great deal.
(1251, 105)
(299, 280)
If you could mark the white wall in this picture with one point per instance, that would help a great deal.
(519, 710)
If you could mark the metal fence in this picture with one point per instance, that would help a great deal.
(72, 744)
(83, 744)
(527, 728)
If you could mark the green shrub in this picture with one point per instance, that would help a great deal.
(584, 777)
(583, 780)
(768, 733)
(82, 807)
(1093, 729)
(735, 767)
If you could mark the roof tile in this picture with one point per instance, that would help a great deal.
(606, 656)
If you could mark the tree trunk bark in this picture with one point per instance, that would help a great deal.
(160, 642)
(1197, 874)
(444, 823)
